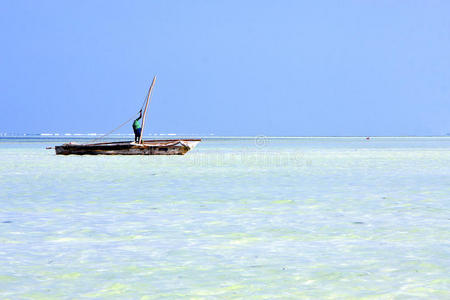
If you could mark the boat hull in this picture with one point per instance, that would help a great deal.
(151, 147)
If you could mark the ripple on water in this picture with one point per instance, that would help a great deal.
(345, 219)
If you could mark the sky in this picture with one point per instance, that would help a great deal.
(275, 68)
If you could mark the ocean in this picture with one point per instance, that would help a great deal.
(249, 218)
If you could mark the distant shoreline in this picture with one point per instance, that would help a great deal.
(171, 136)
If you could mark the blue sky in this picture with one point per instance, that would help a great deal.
(297, 68)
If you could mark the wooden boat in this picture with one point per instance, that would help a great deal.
(147, 147)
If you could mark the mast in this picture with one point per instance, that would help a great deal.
(145, 110)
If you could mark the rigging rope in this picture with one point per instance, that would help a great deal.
(117, 128)
(121, 125)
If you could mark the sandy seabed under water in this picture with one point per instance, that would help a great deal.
(313, 218)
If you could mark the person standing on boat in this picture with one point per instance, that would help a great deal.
(137, 127)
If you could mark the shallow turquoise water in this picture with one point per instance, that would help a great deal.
(235, 218)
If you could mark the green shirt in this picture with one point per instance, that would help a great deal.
(136, 124)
